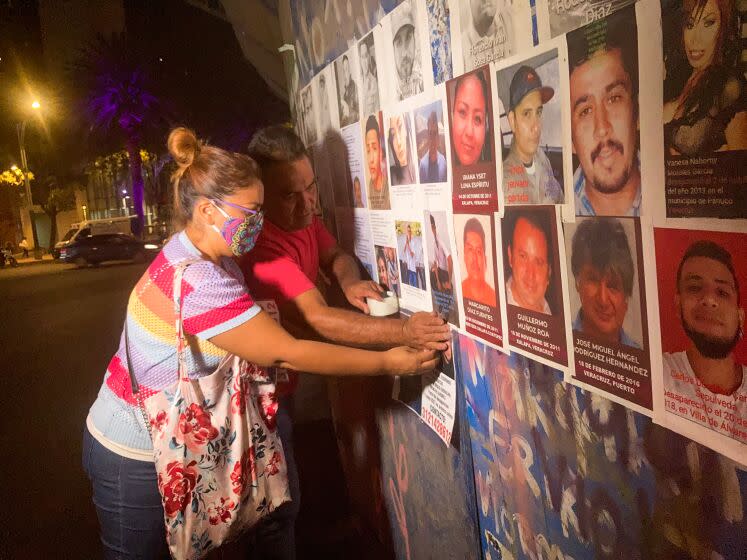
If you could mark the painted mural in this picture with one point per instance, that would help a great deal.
(562, 473)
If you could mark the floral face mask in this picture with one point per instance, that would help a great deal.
(240, 233)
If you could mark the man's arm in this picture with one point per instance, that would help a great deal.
(345, 270)
(422, 330)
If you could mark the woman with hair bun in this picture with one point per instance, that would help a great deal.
(218, 199)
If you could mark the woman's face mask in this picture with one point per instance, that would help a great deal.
(240, 233)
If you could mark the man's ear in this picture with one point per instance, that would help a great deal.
(508, 252)
(512, 120)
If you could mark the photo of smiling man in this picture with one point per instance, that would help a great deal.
(603, 64)
(533, 286)
(607, 302)
(701, 300)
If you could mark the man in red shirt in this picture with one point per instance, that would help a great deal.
(284, 265)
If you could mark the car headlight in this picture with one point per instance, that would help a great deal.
(150, 246)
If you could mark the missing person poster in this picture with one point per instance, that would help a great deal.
(702, 293)
(531, 130)
(377, 181)
(432, 396)
(608, 307)
(492, 30)
(555, 17)
(475, 238)
(348, 100)
(324, 84)
(535, 306)
(438, 400)
(603, 70)
(356, 181)
(307, 118)
(411, 254)
(430, 141)
(409, 53)
(369, 82)
(472, 147)
(401, 149)
(441, 266)
(704, 109)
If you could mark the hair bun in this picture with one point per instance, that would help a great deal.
(183, 146)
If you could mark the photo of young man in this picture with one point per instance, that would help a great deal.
(475, 243)
(429, 132)
(603, 62)
(478, 280)
(407, 64)
(701, 299)
(441, 267)
(369, 74)
(347, 91)
(410, 245)
(529, 177)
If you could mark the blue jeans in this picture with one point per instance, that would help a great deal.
(128, 504)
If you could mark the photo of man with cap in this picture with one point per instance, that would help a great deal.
(406, 52)
(527, 173)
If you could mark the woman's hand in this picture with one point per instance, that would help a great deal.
(404, 360)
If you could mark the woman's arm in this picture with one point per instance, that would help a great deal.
(263, 341)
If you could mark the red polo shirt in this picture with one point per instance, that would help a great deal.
(285, 264)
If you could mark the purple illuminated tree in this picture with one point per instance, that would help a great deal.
(117, 96)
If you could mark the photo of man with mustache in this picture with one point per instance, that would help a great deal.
(604, 116)
(707, 372)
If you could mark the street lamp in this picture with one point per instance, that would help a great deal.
(21, 131)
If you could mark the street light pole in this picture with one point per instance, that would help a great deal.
(21, 130)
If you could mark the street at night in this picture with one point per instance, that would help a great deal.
(60, 326)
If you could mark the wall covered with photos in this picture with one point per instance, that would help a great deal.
(565, 183)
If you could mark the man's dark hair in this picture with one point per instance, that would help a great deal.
(617, 31)
(276, 144)
(603, 244)
(372, 124)
(473, 225)
(709, 250)
(512, 217)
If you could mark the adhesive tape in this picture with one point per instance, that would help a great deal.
(389, 306)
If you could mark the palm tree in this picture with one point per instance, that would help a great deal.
(116, 95)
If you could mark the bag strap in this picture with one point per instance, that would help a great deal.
(181, 344)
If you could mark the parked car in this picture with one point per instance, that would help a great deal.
(93, 227)
(95, 249)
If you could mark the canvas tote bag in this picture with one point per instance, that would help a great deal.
(217, 453)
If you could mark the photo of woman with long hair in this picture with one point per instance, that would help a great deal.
(402, 169)
(705, 93)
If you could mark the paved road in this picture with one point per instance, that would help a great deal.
(59, 327)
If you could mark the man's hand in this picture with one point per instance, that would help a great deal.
(357, 292)
(426, 330)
